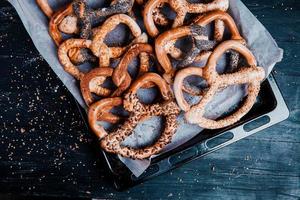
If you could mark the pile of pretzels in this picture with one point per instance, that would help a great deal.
(89, 27)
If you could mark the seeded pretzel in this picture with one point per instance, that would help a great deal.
(100, 49)
(99, 111)
(251, 75)
(164, 43)
(121, 73)
(141, 112)
(182, 8)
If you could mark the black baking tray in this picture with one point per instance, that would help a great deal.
(269, 109)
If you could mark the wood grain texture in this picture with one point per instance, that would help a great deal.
(46, 150)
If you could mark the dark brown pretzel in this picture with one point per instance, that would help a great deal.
(99, 111)
(140, 112)
(252, 76)
(182, 7)
(165, 41)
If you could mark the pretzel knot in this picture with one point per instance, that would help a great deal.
(92, 81)
(164, 43)
(64, 57)
(252, 76)
(141, 112)
(101, 50)
(121, 73)
(99, 111)
(182, 8)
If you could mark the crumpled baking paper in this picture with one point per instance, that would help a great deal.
(258, 39)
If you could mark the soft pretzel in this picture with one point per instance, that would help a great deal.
(92, 81)
(165, 41)
(121, 73)
(99, 111)
(64, 58)
(100, 49)
(45, 7)
(182, 8)
(252, 76)
(141, 112)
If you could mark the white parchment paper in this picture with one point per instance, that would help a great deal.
(258, 39)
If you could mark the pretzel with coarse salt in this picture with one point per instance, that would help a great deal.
(164, 43)
(140, 112)
(251, 75)
(182, 8)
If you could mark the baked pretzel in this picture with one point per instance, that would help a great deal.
(87, 16)
(77, 17)
(92, 81)
(45, 7)
(121, 73)
(100, 49)
(182, 8)
(63, 55)
(99, 111)
(164, 43)
(252, 76)
(141, 112)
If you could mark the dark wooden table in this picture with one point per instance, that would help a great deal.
(45, 149)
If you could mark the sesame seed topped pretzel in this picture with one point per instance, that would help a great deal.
(164, 43)
(141, 112)
(251, 75)
(100, 49)
(182, 8)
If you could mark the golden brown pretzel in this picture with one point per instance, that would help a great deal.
(45, 7)
(121, 73)
(92, 81)
(166, 39)
(99, 111)
(252, 76)
(181, 7)
(140, 112)
(56, 20)
(64, 58)
(99, 48)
